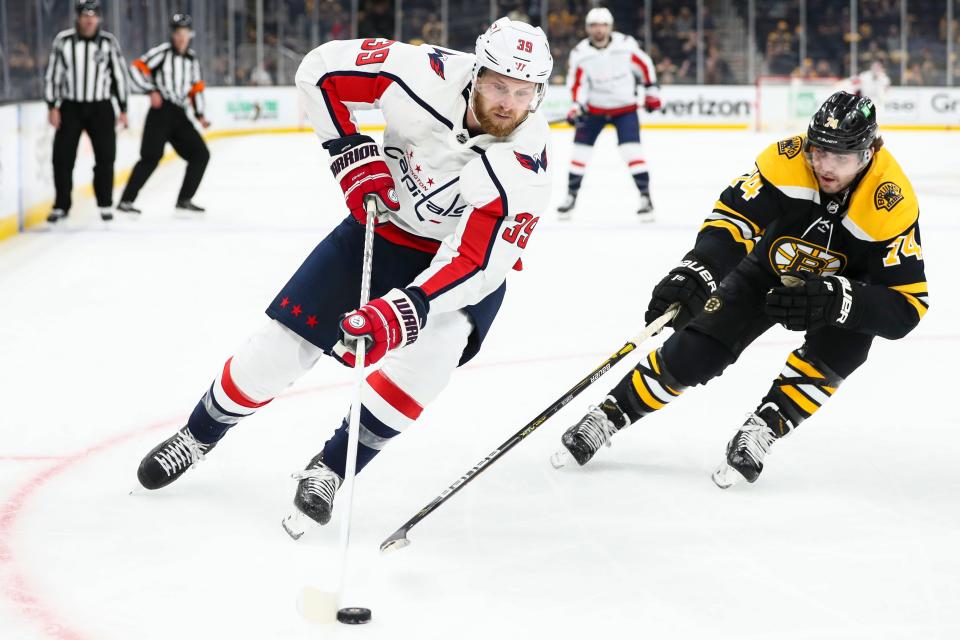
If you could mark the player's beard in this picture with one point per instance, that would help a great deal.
(490, 123)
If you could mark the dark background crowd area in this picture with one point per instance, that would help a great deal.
(234, 51)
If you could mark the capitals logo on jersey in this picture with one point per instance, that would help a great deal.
(535, 162)
(436, 62)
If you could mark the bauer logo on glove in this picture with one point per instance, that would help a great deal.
(811, 302)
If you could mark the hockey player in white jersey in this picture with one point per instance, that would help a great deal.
(872, 83)
(605, 69)
(462, 179)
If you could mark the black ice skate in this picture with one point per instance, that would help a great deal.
(187, 205)
(127, 207)
(171, 458)
(745, 453)
(56, 215)
(645, 210)
(567, 206)
(313, 500)
(106, 214)
(584, 439)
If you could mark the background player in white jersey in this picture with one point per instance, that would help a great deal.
(872, 83)
(462, 178)
(604, 71)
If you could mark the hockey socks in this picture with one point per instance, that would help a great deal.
(646, 389)
(222, 406)
(642, 180)
(800, 390)
(386, 411)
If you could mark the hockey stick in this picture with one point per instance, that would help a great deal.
(315, 604)
(399, 540)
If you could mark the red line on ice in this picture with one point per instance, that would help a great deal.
(18, 589)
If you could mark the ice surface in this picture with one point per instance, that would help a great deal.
(109, 335)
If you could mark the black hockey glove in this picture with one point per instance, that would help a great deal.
(689, 285)
(813, 302)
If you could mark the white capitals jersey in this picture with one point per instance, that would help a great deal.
(872, 85)
(471, 200)
(605, 80)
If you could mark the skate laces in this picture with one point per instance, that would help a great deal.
(180, 453)
(320, 481)
(596, 429)
(755, 438)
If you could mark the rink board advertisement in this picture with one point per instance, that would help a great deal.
(26, 181)
(9, 166)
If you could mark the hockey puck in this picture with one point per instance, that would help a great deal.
(354, 615)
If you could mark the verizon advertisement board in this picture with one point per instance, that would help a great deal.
(26, 140)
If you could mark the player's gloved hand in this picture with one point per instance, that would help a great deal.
(689, 285)
(651, 101)
(387, 323)
(357, 163)
(575, 115)
(811, 302)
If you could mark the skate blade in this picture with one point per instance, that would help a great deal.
(646, 218)
(317, 605)
(296, 524)
(726, 476)
(560, 459)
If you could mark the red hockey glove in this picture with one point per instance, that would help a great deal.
(652, 103)
(387, 323)
(575, 115)
(357, 163)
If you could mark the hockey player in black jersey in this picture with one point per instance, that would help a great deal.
(822, 237)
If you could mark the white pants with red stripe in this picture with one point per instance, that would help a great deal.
(394, 395)
(632, 154)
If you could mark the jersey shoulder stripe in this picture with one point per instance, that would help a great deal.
(782, 164)
(884, 205)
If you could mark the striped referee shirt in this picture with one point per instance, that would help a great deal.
(176, 76)
(85, 70)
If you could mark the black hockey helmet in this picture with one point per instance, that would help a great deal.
(88, 6)
(181, 21)
(844, 123)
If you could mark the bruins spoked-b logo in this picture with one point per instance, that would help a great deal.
(794, 254)
(887, 196)
(713, 304)
(790, 147)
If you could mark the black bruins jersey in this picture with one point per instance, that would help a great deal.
(778, 217)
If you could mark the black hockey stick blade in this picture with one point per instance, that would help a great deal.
(398, 540)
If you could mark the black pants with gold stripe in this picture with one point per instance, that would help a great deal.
(712, 341)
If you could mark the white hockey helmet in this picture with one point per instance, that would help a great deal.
(516, 50)
(599, 15)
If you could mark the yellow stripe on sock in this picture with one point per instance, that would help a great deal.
(799, 399)
(644, 393)
(803, 366)
(652, 357)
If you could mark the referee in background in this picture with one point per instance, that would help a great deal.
(170, 73)
(86, 69)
